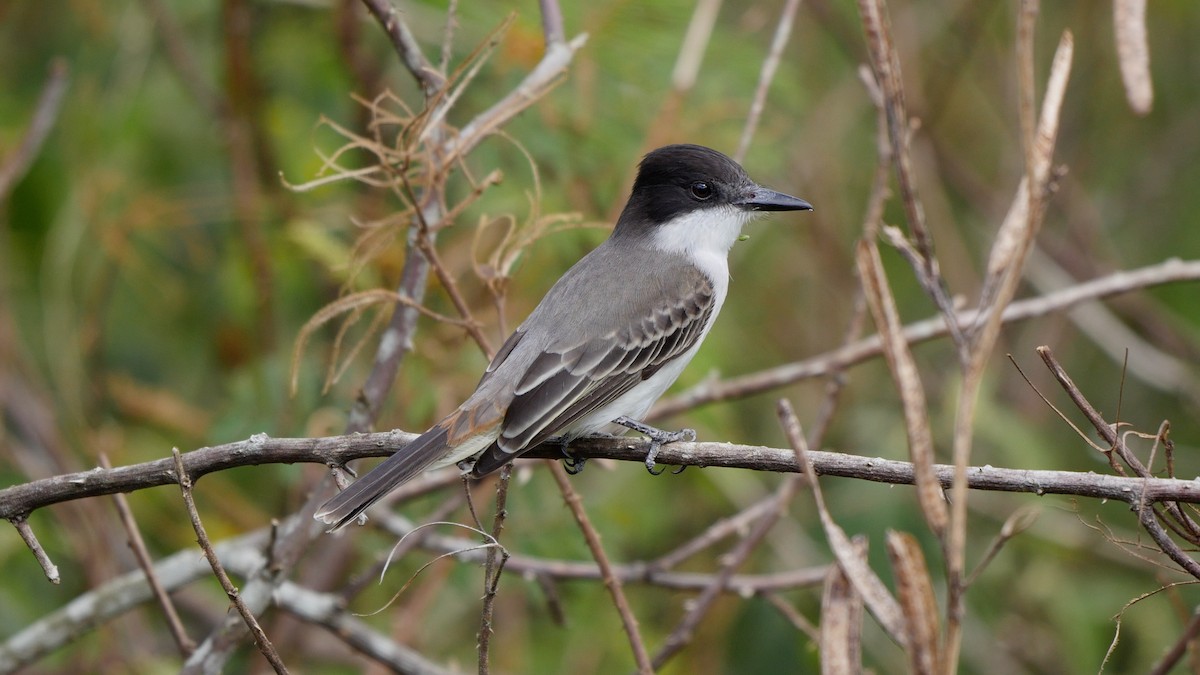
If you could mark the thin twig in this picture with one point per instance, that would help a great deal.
(497, 557)
(325, 609)
(886, 64)
(185, 643)
(868, 585)
(648, 573)
(405, 44)
(766, 74)
(448, 37)
(611, 581)
(1177, 650)
(260, 638)
(35, 546)
(681, 635)
(451, 287)
(1138, 500)
(409, 540)
(903, 368)
(737, 523)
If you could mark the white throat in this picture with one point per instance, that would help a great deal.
(704, 236)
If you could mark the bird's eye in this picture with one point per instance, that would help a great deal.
(701, 190)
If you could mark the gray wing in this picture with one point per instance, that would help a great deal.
(566, 381)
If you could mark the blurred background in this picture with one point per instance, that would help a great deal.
(156, 270)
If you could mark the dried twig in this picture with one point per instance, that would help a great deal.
(260, 638)
(611, 581)
(39, 554)
(915, 591)
(868, 585)
(735, 524)
(681, 635)
(405, 44)
(1138, 500)
(908, 383)
(886, 64)
(185, 644)
(497, 557)
(766, 74)
(243, 555)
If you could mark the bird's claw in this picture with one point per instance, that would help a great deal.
(574, 464)
(571, 462)
(658, 438)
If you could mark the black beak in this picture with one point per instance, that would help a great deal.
(758, 198)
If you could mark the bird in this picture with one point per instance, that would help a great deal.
(608, 338)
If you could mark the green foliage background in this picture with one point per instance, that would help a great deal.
(140, 324)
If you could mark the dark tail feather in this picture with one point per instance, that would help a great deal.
(409, 461)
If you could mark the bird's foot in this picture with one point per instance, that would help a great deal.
(658, 438)
(571, 462)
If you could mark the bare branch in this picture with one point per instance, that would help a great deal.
(28, 497)
(611, 581)
(178, 632)
(886, 64)
(260, 638)
(405, 44)
(39, 553)
(766, 74)
(326, 610)
(682, 634)
(868, 585)
(908, 383)
(497, 558)
(552, 22)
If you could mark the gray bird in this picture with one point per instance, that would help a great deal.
(609, 337)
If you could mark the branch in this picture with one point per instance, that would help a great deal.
(111, 599)
(885, 62)
(406, 46)
(652, 573)
(592, 537)
(20, 500)
(327, 610)
(260, 637)
(1166, 272)
(243, 555)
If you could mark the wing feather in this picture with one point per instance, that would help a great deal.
(565, 382)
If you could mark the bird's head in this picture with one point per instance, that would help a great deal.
(694, 194)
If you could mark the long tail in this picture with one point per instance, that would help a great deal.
(395, 470)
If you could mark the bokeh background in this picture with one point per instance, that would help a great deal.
(156, 271)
